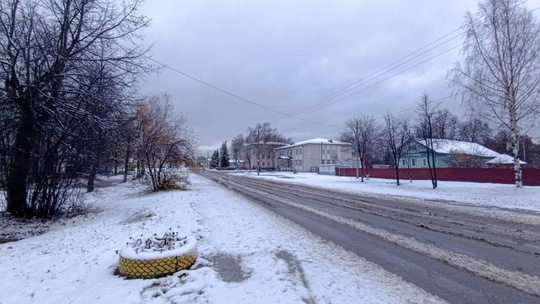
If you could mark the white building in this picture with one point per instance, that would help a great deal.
(306, 156)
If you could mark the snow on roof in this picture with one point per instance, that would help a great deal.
(448, 146)
(270, 143)
(317, 140)
(504, 159)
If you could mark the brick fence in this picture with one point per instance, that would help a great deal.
(531, 176)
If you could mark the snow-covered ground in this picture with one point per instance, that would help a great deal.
(247, 254)
(498, 196)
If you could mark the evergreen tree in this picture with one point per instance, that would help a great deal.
(214, 161)
(224, 156)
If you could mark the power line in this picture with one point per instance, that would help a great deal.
(392, 76)
(394, 113)
(350, 87)
(381, 71)
(234, 95)
(342, 98)
(315, 106)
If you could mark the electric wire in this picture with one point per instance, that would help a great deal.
(232, 94)
(388, 68)
(327, 100)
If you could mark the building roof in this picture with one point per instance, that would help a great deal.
(317, 140)
(448, 146)
(504, 159)
(270, 143)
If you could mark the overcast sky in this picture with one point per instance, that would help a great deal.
(288, 58)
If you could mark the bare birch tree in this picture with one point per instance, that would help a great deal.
(500, 76)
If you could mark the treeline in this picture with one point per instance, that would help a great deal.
(69, 103)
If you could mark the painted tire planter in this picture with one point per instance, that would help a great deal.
(147, 265)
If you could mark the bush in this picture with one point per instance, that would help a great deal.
(176, 182)
(168, 180)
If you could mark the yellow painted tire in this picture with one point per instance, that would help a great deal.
(147, 265)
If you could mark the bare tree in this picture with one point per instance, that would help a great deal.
(426, 112)
(164, 141)
(361, 133)
(394, 134)
(49, 52)
(445, 124)
(500, 75)
(262, 139)
(237, 146)
(473, 130)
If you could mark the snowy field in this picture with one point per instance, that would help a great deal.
(496, 196)
(247, 254)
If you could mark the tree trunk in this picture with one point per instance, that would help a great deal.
(362, 166)
(91, 179)
(357, 166)
(19, 166)
(434, 168)
(126, 163)
(396, 165)
(515, 148)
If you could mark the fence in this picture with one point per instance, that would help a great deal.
(531, 176)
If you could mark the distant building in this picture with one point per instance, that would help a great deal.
(448, 153)
(306, 156)
(265, 159)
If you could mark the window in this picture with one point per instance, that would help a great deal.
(300, 162)
(424, 162)
(404, 162)
(413, 162)
(328, 162)
(333, 161)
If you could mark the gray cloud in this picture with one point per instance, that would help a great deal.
(288, 55)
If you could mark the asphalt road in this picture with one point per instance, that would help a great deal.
(460, 255)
